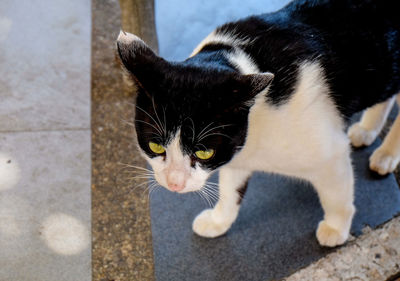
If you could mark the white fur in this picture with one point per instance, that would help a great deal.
(385, 159)
(243, 62)
(238, 57)
(222, 38)
(175, 172)
(128, 38)
(303, 138)
(365, 132)
(215, 222)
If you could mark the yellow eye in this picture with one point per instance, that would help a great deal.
(205, 154)
(156, 148)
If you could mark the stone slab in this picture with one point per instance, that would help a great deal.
(45, 206)
(44, 64)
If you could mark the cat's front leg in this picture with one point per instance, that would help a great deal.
(334, 183)
(215, 222)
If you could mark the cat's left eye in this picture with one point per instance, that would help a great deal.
(205, 154)
(156, 148)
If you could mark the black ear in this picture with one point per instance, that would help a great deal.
(138, 59)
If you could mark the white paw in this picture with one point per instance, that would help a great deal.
(205, 225)
(330, 237)
(360, 136)
(383, 162)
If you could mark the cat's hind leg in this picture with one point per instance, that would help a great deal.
(215, 222)
(364, 132)
(334, 183)
(385, 158)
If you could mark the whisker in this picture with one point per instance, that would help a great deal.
(136, 167)
(200, 144)
(201, 196)
(205, 128)
(143, 183)
(165, 121)
(136, 170)
(158, 130)
(131, 124)
(144, 111)
(212, 187)
(215, 134)
(155, 111)
(212, 183)
(211, 193)
(212, 129)
(193, 129)
(205, 195)
(138, 178)
(154, 188)
(148, 188)
(139, 174)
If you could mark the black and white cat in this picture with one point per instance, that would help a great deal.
(272, 93)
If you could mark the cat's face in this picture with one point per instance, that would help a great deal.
(189, 120)
(186, 130)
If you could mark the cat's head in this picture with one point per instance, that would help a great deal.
(190, 120)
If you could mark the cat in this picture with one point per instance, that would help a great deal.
(272, 93)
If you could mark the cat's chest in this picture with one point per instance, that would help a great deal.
(293, 138)
(278, 143)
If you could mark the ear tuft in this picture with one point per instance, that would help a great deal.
(137, 58)
(260, 81)
(132, 50)
(127, 38)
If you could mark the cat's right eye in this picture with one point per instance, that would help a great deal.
(156, 148)
(204, 154)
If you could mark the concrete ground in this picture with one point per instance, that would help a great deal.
(45, 140)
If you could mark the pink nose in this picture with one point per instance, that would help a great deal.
(175, 186)
(176, 180)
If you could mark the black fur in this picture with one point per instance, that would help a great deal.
(357, 42)
(193, 105)
(242, 191)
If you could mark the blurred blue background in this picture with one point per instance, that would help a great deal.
(182, 24)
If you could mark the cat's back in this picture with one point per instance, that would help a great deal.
(356, 41)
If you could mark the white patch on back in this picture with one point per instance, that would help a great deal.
(243, 62)
(220, 38)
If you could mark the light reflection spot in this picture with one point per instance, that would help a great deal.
(65, 234)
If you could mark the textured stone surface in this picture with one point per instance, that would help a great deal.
(122, 246)
(373, 256)
(44, 206)
(45, 62)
